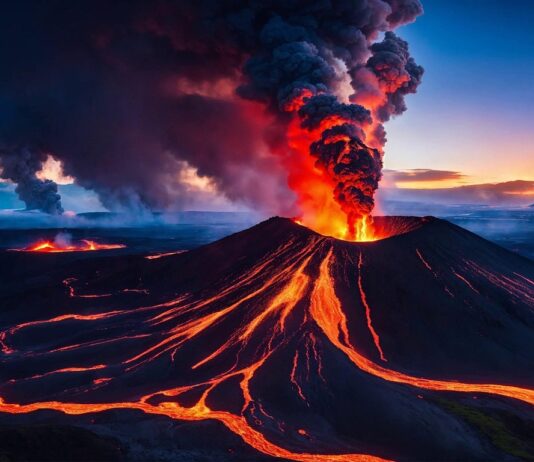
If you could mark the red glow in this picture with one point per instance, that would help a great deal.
(313, 185)
(157, 256)
(299, 291)
(85, 245)
(319, 209)
(363, 296)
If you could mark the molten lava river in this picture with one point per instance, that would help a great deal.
(275, 333)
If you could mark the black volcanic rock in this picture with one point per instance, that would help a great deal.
(316, 345)
(56, 443)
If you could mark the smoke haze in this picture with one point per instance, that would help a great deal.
(129, 94)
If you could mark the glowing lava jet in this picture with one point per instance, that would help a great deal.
(293, 342)
(85, 245)
(337, 147)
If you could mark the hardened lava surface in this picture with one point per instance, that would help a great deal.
(277, 342)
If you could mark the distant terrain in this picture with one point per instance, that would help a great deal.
(511, 228)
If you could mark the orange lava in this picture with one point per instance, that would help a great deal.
(333, 225)
(363, 297)
(163, 255)
(331, 319)
(295, 291)
(85, 245)
(365, 231)
(314, 189)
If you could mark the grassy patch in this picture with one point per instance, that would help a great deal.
(506, 431)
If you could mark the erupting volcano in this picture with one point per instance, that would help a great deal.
(306, 347)
(277, 105)
(333, 336)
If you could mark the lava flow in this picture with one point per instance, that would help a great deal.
(85, 245)
(291, 341)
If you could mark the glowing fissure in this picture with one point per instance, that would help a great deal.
(464, 280)
(434, 273)
(530, 281)
(62, 371)
(74, 293)
(283, 303)
(64, 317)
(363, 298)
(4, 346)
(427, 266)
(328, 314)
(85, 245)
(296, 295)
(515, 288)
(157, 256)
(293, 376)
(242, 280)
(311, 345)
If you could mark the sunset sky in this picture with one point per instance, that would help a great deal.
(474, 112)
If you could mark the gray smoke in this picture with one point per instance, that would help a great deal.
(21, 166)
(129, 93)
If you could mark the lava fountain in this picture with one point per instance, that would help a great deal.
(337, 147)
(370, 229)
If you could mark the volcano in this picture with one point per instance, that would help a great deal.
(417, 346)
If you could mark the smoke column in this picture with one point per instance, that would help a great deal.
(280, 104)
(21, 167)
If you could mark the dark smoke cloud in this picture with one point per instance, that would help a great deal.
(396, 71)
(315, 110)
(127, 94)
(403, 11)
(21, 167)
(354, 167)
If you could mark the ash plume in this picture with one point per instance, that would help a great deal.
(21, 167)
(354, 167)
(385, 79)
(129, 94)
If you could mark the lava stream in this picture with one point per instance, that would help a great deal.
(363, 298)
(328, 314)
(298, 291)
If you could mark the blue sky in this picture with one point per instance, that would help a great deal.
(474, 111)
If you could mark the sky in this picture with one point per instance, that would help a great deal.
(474, 111)
(471, 121)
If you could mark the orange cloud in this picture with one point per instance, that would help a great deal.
(517, 192)
(424, 174)
(53, 170)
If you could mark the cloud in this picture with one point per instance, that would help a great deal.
(509, 193)
(417, 175)
(52, 169)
